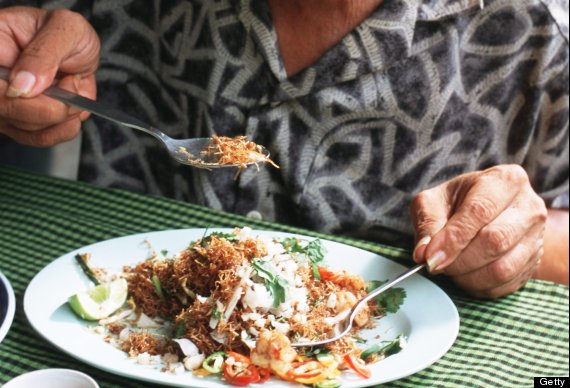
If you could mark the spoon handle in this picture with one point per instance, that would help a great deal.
(94, 107)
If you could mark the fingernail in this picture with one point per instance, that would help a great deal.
(436, 260)
(84, 115)
(21, 85)
(422, 243)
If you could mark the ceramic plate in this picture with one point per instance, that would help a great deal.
(7, 306)
(428, 318)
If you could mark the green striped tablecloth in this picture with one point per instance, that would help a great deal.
(502, 343)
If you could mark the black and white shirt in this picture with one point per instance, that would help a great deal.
(420, 92)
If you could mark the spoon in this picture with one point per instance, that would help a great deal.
(346, 324)
(184, 151)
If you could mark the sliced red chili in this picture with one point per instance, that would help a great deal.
(264, 374)
(240, 371)
(358, 365)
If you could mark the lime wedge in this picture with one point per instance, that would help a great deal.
(101, 301)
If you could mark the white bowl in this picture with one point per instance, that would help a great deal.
(7, 306)
(52, 378)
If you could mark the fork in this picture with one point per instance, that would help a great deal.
(184, 151)
(346, 323)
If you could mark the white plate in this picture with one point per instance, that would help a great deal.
(428, 317)
(7, 306)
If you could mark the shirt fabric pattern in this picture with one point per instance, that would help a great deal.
(418, 93)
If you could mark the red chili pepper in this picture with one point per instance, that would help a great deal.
(264, 374)
(241, 372)
(358, 365)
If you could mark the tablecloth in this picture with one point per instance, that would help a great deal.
(501, 343)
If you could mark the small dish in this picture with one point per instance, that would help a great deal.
(52, 378)
(7, 306)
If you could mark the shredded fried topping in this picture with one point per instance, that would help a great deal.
(234, 292)
(236, 150)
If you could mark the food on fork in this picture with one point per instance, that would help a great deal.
(231, 304)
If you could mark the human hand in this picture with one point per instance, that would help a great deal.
(38, 45)
(483, 229)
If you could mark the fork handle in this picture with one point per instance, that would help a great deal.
(384, 287)
(94, 107)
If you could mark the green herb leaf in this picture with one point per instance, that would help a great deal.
(385, 348)
(82, 261)
(313, 250)
(275, 284)
(391, 299)
(228, 236)
(180, 329)
(157, 286)
(217, 314)
(205, 240)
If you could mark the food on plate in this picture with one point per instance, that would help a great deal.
(231, 304)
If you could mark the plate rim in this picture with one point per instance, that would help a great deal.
(143, 235)
(8, 319)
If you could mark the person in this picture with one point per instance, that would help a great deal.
(453, 112)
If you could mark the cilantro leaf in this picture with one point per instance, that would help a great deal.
(228, 236)
(313, 250)
(276, 285)
(205, 240)
(385, 348)
(391, 299)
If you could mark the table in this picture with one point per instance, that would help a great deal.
(501, 343)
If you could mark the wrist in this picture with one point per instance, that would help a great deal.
(554, 264)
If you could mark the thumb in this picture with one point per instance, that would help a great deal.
(429, 212)
(63, 42)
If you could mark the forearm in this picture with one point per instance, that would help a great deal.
(554, 264)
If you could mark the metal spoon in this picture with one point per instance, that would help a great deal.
(185, 151)
(346, 324)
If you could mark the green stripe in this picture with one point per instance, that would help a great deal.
(149, 209)
(130, 198)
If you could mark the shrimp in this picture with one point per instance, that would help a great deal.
(345, 300)
(343, 279)
(273, 350)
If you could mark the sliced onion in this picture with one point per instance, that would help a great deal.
(233, 302)
(247, 340)
(116, 317)
(189, 349)
(145, 322)
(219, 338)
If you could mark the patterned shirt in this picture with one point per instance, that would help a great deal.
(420, 92)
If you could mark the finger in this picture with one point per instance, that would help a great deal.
(506, 269)
(87, 87)
(35, 113)
(477, 199)
(42, 111)
(496, 240)
(514, 285)
(47, 137)
(429, 212)
(65, 42)
(18, 25)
